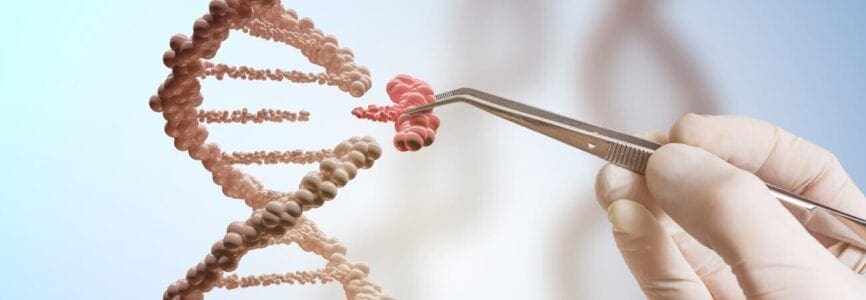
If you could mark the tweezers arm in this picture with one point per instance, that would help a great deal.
(588, 142)
(837, 226)
(620, 149)
(633, 153)
(824, 220)
(629, 157)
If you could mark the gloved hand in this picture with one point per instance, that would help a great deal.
(701, 225)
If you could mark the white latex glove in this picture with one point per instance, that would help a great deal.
(702, 225)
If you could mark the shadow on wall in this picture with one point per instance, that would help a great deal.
(639, 77)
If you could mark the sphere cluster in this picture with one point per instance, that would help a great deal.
(413, 131)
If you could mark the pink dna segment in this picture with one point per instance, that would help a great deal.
(413, 131)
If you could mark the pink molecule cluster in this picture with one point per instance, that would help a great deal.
(414, 131)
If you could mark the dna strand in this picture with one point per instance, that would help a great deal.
(276, 217)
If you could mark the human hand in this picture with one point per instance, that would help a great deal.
(702, 225)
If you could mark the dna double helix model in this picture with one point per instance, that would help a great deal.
(277, 216)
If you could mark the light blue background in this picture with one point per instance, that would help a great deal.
(94, 200)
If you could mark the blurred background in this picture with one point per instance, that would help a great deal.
(95, 203)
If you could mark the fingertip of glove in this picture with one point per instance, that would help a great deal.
(608, 181)
(627, 216)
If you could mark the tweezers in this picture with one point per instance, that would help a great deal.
(632, 153)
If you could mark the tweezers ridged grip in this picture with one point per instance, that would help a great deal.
(629, 157)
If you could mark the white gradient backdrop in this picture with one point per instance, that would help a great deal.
(95, 203)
